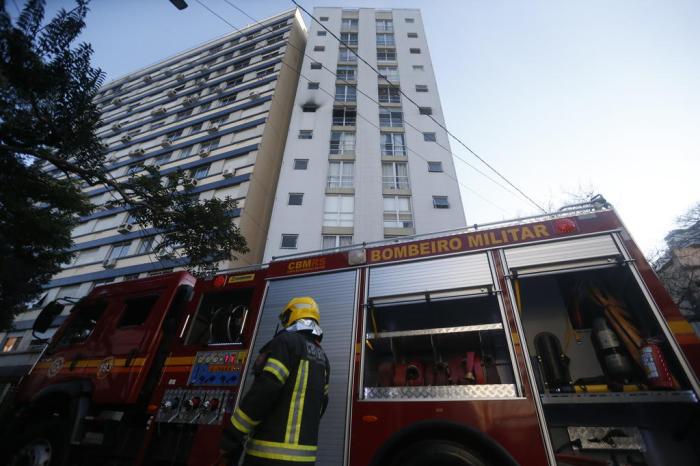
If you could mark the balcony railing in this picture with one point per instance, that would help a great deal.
(395, 182)
(340, 181)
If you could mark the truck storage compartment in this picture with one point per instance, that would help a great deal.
(611, 383)
(445, 345)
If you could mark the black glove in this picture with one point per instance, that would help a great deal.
(231, 446)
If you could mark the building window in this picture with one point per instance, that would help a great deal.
(272, 54)
(349, 38)
(342, 143)
(319, 48)
(395, 175)
(246, 49)
(348, 24)
(344, 117)
(412, 35)
(295, 199)
(309, 108)
(385, 25)
(410, 20)
(390, 118)
(234, 81)
(414, 51)
(265, 72)
(195, 128)
(397, 212)
(11, 344)
(163, 159)
(210, 145)
(313, 85)
(119, 250)
(421, 88)
(346, 55)
(323, 18)
(384, 54)
(393, 144)
(389, 94)
(320, 33)
(275, 39)
(345, 93)
(336, 241)
(184, 114)
(347, 72)
(441, 202)
(418, 68)
(316, 65)
(306, 134)
(173, 135)
(388, 73)
(185, 152)
(340, 174)
(385, 40)
(201, 172)
(429, 137)
(146, 245)
(131, 276)
(301, 164)
(289, 241)
(338, 211)
(158, 123)
(228, 100)
(205, 106)
(435, 167)
(425, 110)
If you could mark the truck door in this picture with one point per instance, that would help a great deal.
(336, 295)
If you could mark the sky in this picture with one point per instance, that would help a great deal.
(560, 97)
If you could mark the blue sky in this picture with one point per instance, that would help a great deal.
(559, 96)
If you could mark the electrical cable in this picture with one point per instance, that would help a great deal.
(300, 74)
(417, 106)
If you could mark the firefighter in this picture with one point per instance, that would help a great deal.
(280, 414)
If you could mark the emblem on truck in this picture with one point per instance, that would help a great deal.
(55, 367)
(105, 367)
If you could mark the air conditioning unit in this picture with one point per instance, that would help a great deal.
(200, 81)
(203, 153)
(109, 263)
(158, 111)
(220, 88)
(180, 77)
(116, 126)
(125, 228)
(190, 182)
(117, 101)
(148, 78)
(126, 138)
(213, 128)
(254, 94)
(166, 142)
(172, 93)
(227, 173)
(189, 100)
(156, 167)
(137, 153)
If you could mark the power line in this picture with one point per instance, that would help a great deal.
(417, 106)
(300, 74)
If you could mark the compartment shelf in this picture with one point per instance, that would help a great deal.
(683, 396)
(435, 331)
(441, 392)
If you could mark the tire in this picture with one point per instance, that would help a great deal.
(438, 453)
(45, 443)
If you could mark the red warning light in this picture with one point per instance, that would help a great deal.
(565, 225)
(219, 281)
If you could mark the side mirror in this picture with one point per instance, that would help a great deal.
(47, 316)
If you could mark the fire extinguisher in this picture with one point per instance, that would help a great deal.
(616, 364)
(655, 366)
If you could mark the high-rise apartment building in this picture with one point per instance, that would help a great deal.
(362, 162)
(221, 112)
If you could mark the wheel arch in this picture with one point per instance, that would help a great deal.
(465, 435)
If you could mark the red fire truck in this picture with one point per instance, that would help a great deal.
(539, 341)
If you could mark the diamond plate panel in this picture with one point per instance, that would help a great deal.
(626, 438)
(449, 392)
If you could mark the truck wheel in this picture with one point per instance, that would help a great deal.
(43, 444)
(438, 453)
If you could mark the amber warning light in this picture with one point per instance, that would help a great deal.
(565, 225)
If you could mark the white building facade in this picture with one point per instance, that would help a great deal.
(362, 162)
(219, 111)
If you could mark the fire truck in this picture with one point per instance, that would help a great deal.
(545, 340)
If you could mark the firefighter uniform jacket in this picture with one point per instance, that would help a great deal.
(282, 410)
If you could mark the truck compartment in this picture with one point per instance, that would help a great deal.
(611, 384)
(438, 347)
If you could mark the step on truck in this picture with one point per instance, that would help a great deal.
(539, 341)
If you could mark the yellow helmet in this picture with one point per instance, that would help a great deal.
(303, 307)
